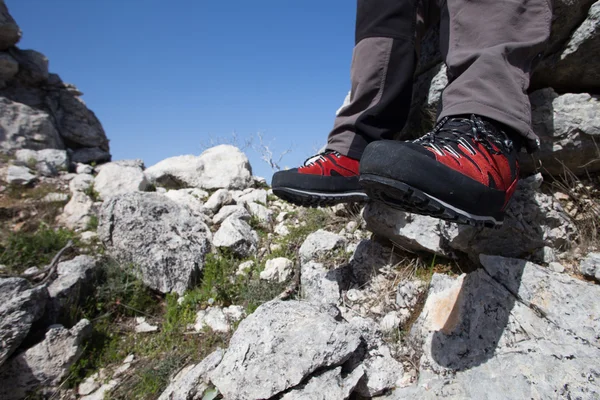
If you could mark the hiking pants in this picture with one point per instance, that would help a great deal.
(489, 47)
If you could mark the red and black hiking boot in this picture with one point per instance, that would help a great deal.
(326, 179)
(465, 170)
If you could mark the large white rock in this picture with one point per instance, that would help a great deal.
(46, 363)
(114, 179)
(220, 167)
(218, 199)
(186, 198)
(57, 158)
(164, 241)
(258, 364)
(320, 285)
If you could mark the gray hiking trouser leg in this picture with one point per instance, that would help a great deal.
(489, 47)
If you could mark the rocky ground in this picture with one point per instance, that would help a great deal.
(190, 280)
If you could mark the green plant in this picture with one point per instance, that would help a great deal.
(21, 250)
(92, 224)
(91, 192)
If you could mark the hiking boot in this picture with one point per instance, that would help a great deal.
(326, 179)
(465, 171)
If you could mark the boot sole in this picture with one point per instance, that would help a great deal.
(305, 198)
(404, 197)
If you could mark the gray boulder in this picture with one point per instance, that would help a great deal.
(45, 364)
(164, 241)
(510, 330)
(20, 307)
(257, 364)
(114, 179)
(568, 129)
(192, 381)
(590, 266)
(22, 126)
(10, 34)
(320, 285)
(225, 212)
(236, 236)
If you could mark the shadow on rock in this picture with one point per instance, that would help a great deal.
(471, 317)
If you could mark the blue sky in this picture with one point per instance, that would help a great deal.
(166, 77)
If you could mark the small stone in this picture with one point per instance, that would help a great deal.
(31, 271)
(89, 385)
(390, 322)
(278, 269)
(556, 267)
(318, 243)
(84, 169)
(18, 175)
(245, 267)
(55, 198)
(144, 327)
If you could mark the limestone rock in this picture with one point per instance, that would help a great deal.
(113, 180)
(45, 364)
(253, 196)
(163, 240)
(590, 266)
(81, 183)
(236, 236)
(192, 381)
(319, 285)
(220, 198)
(22, 126)
(78, 212)
(260, 212)
(568, 129)
(57, 158)
(257, 364)
(319, 243)
(410, 231)
(189, 198)
(20, 307)
(278, 270)
(219, 319)
(220, 167)
(225, 212)
(10, 34)
(19, 175)
(329, 385)
(513, 329)
(73, 282)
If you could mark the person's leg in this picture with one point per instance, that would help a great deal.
(465, 170)
(381, 75)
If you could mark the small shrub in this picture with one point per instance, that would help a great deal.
(22, 250)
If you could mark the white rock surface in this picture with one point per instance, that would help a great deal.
(590, 266)
(19, 175)
(77, 212)
(46, 363)
(319, 243)
(277, 270)
(114, 179)
(225, 212)
(236, 236)
(220, 167)
(220, 198)
(192, 381)
(257, 364)
(56, 158)
(81, 182)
